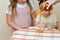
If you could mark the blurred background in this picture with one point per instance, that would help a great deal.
(5, 31)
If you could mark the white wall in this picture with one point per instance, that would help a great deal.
(4, 29)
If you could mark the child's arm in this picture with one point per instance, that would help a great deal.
(55, 25)
(10, 23)
(40, 25)
(55, 22)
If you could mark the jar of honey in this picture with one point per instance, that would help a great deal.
(39, 30)
(46, 5)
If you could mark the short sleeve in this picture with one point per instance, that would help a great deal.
(7, 10)
(37, 19)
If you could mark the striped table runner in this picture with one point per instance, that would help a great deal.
(31, 34)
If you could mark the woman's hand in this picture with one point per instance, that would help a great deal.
(51, 2)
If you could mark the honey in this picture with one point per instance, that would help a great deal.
(37, 13)
(39, 30)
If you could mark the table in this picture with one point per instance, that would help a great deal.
(32, 34)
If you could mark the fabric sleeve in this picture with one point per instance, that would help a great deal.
(7, 10)
(33, 5)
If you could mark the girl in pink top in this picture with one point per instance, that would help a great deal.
(18, 14)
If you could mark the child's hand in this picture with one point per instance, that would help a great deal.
(50, 27)
(42, 25)
(24, 26)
